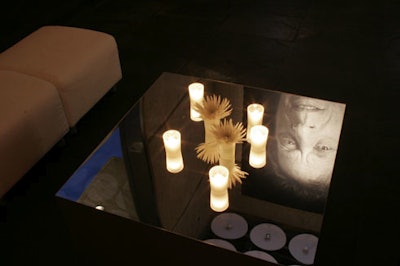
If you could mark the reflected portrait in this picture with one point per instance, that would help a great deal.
(302, 147)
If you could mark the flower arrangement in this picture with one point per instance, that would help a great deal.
(221, 136)
(227, 135)
(211, 110)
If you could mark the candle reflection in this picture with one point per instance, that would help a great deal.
(258, 141)
(255, 115)
(219, 199)
(196, 94)
(172, 144)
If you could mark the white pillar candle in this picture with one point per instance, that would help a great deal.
(172, 144)
(219, 177)
(258, 148)
(196, 94)
(255, 115)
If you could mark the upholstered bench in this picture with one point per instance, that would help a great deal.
(48, 81)
(32, 121)
(82, 64)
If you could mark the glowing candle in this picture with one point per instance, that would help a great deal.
(219, 199)
(255, 115)
(258, 148)
(196, 93)
(172, 144)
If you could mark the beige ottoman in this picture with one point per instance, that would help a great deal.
(32, 121)
(83, 64)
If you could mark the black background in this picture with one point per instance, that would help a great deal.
(345, 51)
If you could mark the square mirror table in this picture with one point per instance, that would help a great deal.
(163, 166)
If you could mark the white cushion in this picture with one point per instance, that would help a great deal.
(83, 64)
(32, 121)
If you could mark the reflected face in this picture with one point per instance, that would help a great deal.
(308, 132)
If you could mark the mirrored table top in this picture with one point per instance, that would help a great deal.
(275, 211)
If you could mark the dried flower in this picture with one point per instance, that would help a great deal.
(222, 149)
(229, 133)
(236, 175)
(213, 107)
(208, 152)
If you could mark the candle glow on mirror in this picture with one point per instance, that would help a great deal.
(255, 115)
(258, 148)
(219, 198)
(172, 145)
(196, 94)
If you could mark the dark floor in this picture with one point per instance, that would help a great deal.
(346, 51)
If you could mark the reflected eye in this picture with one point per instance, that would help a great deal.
(288, 142)
(323, 148)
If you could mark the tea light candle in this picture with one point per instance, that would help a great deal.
(258, 148)
(303, 248)
(196, 93)
(255, 115)
(219, 199)
(172, 144)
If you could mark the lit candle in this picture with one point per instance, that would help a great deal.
(196, 93)
(258, 148)
(172, 144)
(219, 199)
(255, 114)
